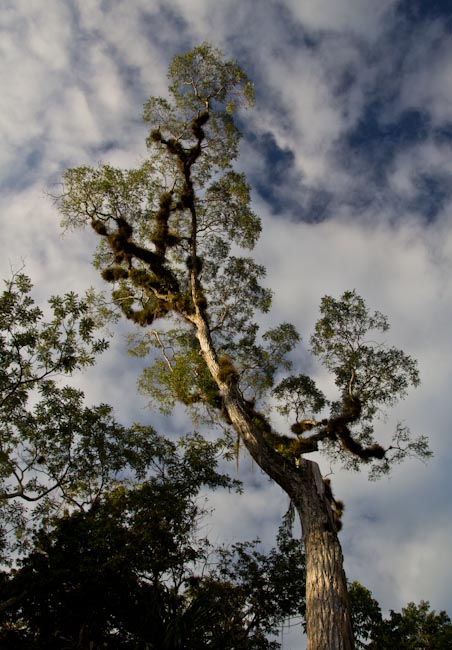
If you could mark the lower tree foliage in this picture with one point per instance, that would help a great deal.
(56, 452)
(133, 572)
(416, 627)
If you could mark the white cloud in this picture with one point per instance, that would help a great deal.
(427, 76)
(364, 17)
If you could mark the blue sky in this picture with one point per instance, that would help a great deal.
(348, 150)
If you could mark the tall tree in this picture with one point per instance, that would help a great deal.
(171, 233)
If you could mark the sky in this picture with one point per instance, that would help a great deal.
(348, 150)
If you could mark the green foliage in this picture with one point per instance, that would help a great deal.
(179, 375)
(366, 614)
(233, 295)
(415, 628)
(228, 202)
(55, 452)
(370, 377)
(272, 586)
(201, 77)
(202, 82)
(105, 191)
(363, 367)
(298, 395)
(166, 229)
(257, 358)
(132, 572)
(32, 349)
(59, 453)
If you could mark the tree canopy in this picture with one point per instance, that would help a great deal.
(170, 237)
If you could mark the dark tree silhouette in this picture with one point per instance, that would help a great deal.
(132, 572)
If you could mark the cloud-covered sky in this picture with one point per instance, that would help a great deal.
(348, 150)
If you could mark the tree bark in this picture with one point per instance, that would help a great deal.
(328, 620)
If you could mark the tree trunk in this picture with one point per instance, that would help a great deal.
(328, 619)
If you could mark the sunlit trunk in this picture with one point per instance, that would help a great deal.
(327, 611)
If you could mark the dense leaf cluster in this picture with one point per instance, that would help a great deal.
(50, 443)
(133, 572)
(414, 628)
